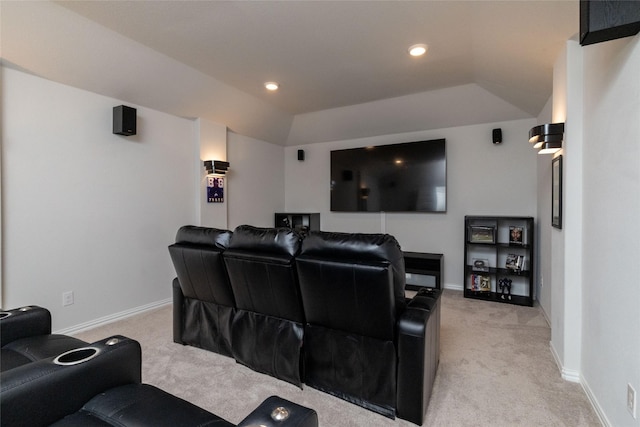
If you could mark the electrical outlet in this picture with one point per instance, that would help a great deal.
(67, 298)
(631, 400)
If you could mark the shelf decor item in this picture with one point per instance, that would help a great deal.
(482, 234)
(514, 262)
(480, 264)
(480, 283)
(515, 235)
(505, 288)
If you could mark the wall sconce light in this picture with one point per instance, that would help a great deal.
(548, 137)
(216, 166)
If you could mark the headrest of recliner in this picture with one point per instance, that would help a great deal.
(282, 241)
(356, 246)
(191, 234)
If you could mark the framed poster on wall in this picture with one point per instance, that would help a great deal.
(215, 189)
(556, 192)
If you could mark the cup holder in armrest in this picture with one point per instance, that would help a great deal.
(76, 356)
(4, 314)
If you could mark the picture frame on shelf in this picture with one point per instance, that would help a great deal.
(479, 264)
(482, 234)
(514, 262)
(556, 192)
(516, 235)
(480, 283)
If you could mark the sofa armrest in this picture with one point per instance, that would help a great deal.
(141, 405)
(42, 392)
(24, 322)
(276, 411)
(418, 355)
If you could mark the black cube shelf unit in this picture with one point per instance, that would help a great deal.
(498, 259)
(301, 222)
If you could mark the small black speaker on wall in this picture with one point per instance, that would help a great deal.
(301, 155)
(124, 120)
(497, 136)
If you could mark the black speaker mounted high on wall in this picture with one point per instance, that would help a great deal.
(497, 136)
(124, 120)
(604, 20)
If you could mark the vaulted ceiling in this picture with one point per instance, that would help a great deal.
(330, 54)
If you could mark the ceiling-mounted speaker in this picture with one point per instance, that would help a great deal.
(124, 120)
(301, 155)
(497, 136)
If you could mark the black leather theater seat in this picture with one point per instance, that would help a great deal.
(363, 343)
(204, 305)
(100, 385)
(267, 330)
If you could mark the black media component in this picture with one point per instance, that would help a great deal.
(405, 177)
(301, 155)
(124, 120)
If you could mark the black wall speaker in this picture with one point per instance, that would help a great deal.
(604, 20)
(497, 136)
(124, 120)
(301, 155)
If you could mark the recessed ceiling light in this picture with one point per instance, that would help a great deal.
(418, 49)
(271, 85)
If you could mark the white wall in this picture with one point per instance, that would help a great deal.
(50, 40)
(86, 210)
(482, 179)
(256, 181)
(543, 224)
(611, 238)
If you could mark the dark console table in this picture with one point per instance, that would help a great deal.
(423, 270)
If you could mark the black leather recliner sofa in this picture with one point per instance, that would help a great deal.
(100, 385)
(25, 337)
(335, 305)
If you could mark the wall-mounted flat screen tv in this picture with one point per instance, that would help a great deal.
(406, 177)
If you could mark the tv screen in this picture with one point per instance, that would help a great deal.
(406, 177)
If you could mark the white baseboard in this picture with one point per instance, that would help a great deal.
(112, 318)
(567, 374)
(594, 402)
(576, 377)
(454, 287)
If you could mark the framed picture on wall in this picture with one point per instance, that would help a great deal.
(556, 192)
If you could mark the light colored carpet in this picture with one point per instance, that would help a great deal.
(496, 369)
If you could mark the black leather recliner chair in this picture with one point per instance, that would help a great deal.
(363, 342)
(100, 385)
(203, 302)
(267, 330)
(25, 336)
